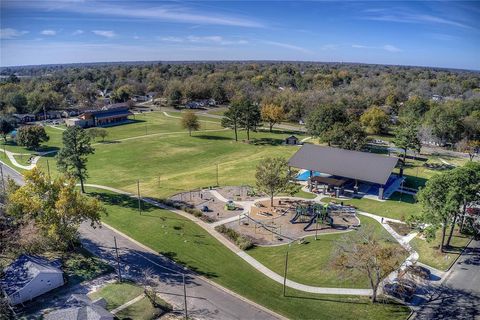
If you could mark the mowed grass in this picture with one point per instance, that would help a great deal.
(431, 255)
(310, 262)
(116, 294)
(399, 206)
(168, 164)
(190, 245)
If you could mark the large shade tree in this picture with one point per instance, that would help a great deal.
(56, 206)
(31, 136)
(323, 118)
(73, 156)
(231, 118)
(190, 122)
(274, 176)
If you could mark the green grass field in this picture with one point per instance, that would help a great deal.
(430, 254)
(397, 207)
(309, 262)
(190, 245)
(116, 294)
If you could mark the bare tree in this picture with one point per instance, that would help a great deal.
(366, 253)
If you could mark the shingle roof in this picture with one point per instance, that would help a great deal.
(23, 270)
(80, 308)
(363, 166)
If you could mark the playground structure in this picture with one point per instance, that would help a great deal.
(291, 219)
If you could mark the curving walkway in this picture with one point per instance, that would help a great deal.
(210, 228)
(33, 163)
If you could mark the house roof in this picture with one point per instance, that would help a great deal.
(24, 269)
(80, 308)
(358, 165)
(109, 112)
(292, 137)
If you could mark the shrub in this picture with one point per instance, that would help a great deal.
(243, 242)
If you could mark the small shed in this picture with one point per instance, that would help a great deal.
(30, 276)
(292, 141)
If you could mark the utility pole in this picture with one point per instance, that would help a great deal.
(48, 170)
(118, 260)
(185, 296)
(3, 179)
(139, 201)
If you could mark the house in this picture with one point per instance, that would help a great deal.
(194, 105)
(70, 113)
(24, 118)
(140, 98)
(114, 114)
(151, 95)
(30, 276)
(80, 307)
(291, 141)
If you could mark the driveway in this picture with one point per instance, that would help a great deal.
(459, 296)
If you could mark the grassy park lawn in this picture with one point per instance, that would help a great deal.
(397, 207)
(309, 263)
(190, 245)
(430, 254)
(217, 111)
(165, 165)
(116, 294)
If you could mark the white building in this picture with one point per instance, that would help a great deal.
(28, 277)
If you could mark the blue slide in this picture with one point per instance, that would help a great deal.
(312, 221)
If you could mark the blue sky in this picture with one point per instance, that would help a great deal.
(433, 33)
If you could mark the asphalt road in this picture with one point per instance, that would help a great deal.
(204, 300)
(459, 296)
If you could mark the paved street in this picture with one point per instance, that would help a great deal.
(204, 300)
(459, 296)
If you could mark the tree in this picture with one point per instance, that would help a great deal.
(250, 117)
(322, 119)
(365, 253)
(437, 205)
(6, 126)
(406, 138)
(31, 136)
(272, 114)
(190, 122)
(350, 137)
(56, 206)
(97, 132)
(472, 147)
(72, 158)
(375, 120)
(231, 118)
(273, 176)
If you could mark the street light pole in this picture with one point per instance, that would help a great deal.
(139, 202)
(285, 273)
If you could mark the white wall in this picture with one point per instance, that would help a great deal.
(41, 284)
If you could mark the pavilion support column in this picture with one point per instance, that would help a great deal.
(380, 192)
(310, 181)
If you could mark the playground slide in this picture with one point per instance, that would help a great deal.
(297, 215)
(312, 221)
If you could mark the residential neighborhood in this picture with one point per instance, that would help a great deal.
(239, 160)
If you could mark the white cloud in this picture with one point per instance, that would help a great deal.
(389, 47)
(386, 47)
(9, 33)
(411, 17)
(105, 33)
(77, 32)
(171, 12)
(203, 39)
(48, 32)
(288, 46)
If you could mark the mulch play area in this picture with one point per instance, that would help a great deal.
(272, 226)
(202, 200)
(240, 193)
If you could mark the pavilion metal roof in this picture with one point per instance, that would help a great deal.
(358, 165)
